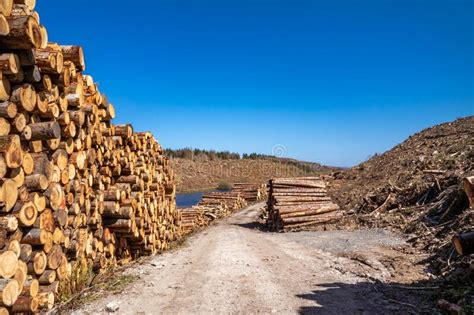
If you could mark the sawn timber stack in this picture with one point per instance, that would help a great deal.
(299, 203)
(75, 189)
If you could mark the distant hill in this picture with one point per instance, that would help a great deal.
(198, 170)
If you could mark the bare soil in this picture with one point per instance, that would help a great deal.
(197, 175)
(235, 267)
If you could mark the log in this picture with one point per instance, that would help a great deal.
(4, 26)
(11, 148)
(36, 182)
(9, 290)
(464, 243)
(8, 110)
(468, 185)
(29, 3)
(24, 96)
(25, 213)
(9, 63)
(42, 131)
(38, 265)
(75, 55)
(25, 304)
(30, 287)
(9, 223)
(8, 194)
(48, 277)
(24, 33)
(6, 7)
(8, 264)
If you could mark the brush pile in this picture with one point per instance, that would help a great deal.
(76, 190)
(251, 192)
(417, 188)
(299, 203)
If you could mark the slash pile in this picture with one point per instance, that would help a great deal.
(298, 203)
(251, 192)
(74, 187)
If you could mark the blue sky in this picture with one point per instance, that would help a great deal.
(330, 81)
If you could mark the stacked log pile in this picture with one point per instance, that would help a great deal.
(251, 192)
(298, 203)
(74, 186)
(192, 219)
(228, 200)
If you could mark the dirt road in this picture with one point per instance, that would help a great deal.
(233, 267)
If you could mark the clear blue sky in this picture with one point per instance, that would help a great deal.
(332, 81)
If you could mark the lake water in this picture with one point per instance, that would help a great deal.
(187, 200)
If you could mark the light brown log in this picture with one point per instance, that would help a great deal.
(60, 158)
(19, 123)
(24, 33)
(8, 110)
(21, 274)
(24, 96)
(4, 26)
(28, 163)
(47, 277)
(5, 88)
(8, 264)
(42, 165)
(29, 3)
(3, 167)
(25, 213)
(18, 176)
(26, 252)
(38, 265)
(4, 127)
(9, 291)
(44, 36)
(56, 196)
(8, 194)
(45, 300)
(9, 222)
(35, 236)
(75, 55)
(38, 200)
(42, 131)
(25, 304)
(9, 63)
(62, 271)
(45, 221)
(36, 182)
(6, 7)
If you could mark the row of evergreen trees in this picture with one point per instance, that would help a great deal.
(199, 154)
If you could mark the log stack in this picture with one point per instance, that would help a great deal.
(299, 203)
(74, 186)
(193, 218)
(251, 192)
(229, 200)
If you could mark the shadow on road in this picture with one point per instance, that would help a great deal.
(253, 226)
(371, 298)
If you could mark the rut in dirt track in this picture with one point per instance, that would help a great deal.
(234, 268)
